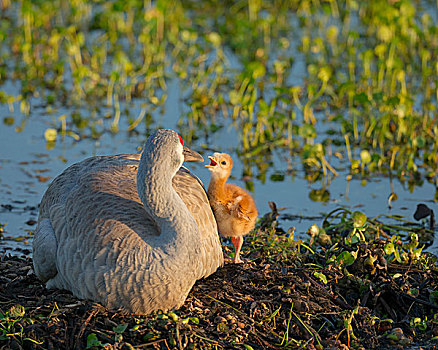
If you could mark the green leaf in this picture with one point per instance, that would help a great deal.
(325, 73)
(389, 248)
(422, 326)
(321, 277)
(257, 69)
(234, 97)
(173, 316)
(277, 177)
(8, 120)
(214, 38)
(393, 336)
(346, 258)
(397, 255)
(120, 328)
(307, 131)
(319, 195)
(50, 135)
(92, 341)
(365, 156)
(414, 292)
(361, 99)
(421, 142)
(359, 219)
(195, 320)
(355, 164)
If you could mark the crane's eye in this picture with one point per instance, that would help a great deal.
(224, 162)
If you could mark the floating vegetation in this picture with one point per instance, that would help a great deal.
(354, 79)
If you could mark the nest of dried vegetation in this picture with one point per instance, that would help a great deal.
(284, 296)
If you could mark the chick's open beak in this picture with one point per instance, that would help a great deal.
(191, 156)
(213, 162)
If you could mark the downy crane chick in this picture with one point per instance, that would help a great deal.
(233, 207)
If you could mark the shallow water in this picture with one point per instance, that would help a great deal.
(27, 167)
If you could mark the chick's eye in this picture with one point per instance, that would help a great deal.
(224, 162)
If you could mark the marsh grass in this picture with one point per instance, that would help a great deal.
(369, 75)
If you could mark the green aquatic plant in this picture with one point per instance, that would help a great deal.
(307, 78)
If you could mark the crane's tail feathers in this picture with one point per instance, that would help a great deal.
(44, 251)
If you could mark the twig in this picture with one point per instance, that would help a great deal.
(410, 297)
(151, 343)
(308, 328)
(82, 330)
(221, 302)
(336, 300)
(388, 308)
(206, 339)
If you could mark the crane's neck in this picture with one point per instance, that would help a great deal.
(160, 200)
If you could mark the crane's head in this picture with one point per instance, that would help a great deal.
(166, 147)
(220, 164)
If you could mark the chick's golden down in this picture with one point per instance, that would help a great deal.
(233, 207)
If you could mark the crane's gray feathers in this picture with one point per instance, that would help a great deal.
(45, 250)
(95, 238)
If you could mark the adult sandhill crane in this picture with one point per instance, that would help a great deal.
(128, 231)
(233, 207)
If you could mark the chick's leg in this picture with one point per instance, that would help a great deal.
(237, 242)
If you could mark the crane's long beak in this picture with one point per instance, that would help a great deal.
(191, 156)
